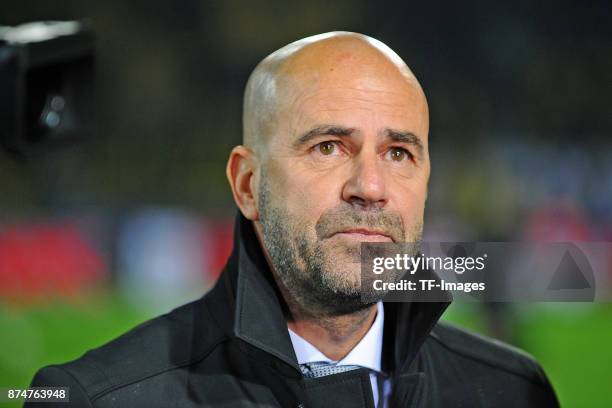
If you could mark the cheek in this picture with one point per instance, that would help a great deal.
(304, 194)
(409, 201)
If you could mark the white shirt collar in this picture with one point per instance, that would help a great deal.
(367, 353)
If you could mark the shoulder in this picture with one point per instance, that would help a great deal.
(155, 347)
(487, 354)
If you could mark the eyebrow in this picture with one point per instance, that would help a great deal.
(341, 131)
(323, 130)
(405, 137)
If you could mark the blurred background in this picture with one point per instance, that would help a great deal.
(136, 217)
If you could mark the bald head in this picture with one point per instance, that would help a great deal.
(324, 61)
(335, 154)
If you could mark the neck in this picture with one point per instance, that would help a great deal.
(334, 336)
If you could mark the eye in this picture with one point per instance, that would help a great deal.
(327, 148)
(399, 154)
(328, 151)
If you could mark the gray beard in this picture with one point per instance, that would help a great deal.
(303, 267)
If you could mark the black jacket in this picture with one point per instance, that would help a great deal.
(231, 348)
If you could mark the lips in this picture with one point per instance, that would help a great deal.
(364, 234)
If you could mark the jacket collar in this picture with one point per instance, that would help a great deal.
(259, 312)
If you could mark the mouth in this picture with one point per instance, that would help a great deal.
(364, 235)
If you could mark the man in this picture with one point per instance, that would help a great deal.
(335, 153)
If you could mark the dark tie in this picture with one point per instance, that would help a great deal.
(323, 368)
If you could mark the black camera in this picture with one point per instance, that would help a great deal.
(46, 85)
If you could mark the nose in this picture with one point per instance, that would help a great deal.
(366, 186)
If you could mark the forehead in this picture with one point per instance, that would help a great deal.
(349, 82)
(359, 101)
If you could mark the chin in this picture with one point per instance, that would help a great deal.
(342, 253)
(345, 278)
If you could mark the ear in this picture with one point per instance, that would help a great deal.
(240, 173)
